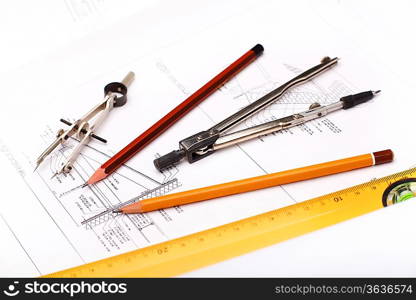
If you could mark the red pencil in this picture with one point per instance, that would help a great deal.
(174, 115)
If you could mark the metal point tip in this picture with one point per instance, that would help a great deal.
(37, 166)
(376, 92)
(54, 175)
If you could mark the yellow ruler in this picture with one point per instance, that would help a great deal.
(220, 243)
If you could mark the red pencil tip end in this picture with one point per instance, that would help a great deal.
(98, 175)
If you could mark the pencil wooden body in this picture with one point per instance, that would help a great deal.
(174, 115)
(259, 182)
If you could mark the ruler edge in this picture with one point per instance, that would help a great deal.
(376, 181)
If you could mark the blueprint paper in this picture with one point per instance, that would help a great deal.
(44, 220)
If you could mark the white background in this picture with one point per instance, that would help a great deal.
(383, 30)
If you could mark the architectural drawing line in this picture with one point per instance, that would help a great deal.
(57, 199)
(119, 174)
(143, 195)
(124, 165)
(50, 216)
(20, 243)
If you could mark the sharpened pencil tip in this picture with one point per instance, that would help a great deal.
(37, 166)
(84, 185)
(117, 211)
(376, 92)
(98, 175)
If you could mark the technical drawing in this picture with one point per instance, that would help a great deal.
(90, 207)
(108, 213)
(295, 100)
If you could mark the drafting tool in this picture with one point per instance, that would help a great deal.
(174, 115)
(202, 144)
(107, 214)
(115, 95)
(259, 182)
(230, 240)
(206, 142)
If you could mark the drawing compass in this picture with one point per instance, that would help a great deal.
(206, 142)
(115, 95)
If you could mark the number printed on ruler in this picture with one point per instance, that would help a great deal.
(217, 244)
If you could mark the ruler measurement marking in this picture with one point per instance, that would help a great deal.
(213, 245)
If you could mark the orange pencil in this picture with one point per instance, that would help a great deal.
(259, 182)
